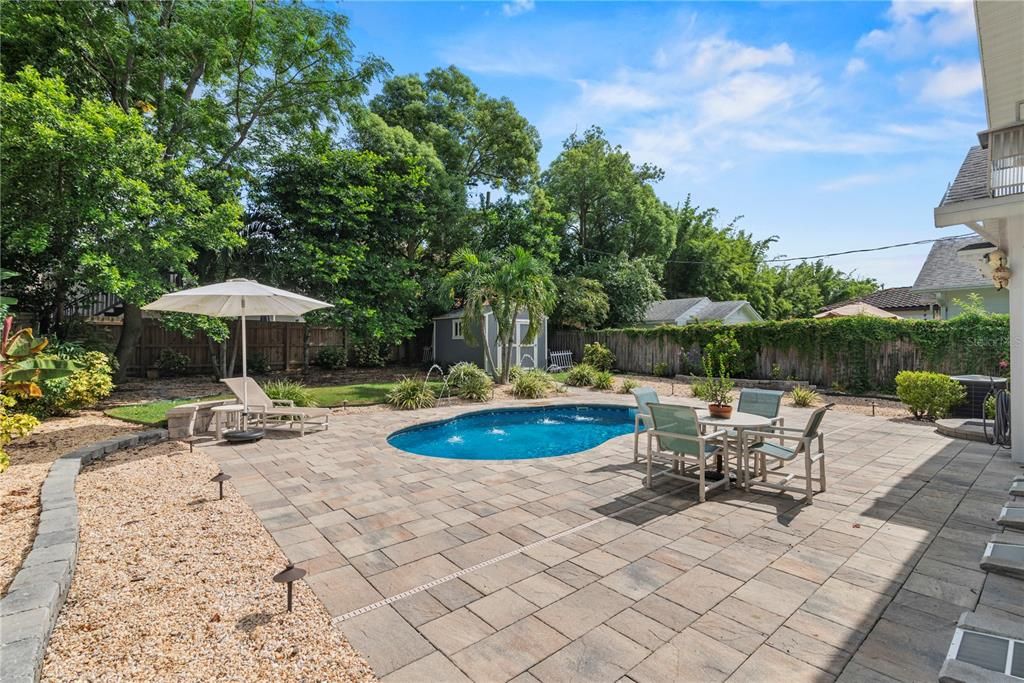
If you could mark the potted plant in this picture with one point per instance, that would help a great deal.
(716, 388)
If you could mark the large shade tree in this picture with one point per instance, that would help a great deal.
(222, 86)
(506, 284)
(92, 204)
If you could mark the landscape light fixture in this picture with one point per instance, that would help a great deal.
(219, 479)
(290, 575)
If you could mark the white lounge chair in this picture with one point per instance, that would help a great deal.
(277, 412)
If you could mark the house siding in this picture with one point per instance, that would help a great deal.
(448, 351)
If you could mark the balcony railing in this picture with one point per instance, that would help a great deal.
(1006, 154)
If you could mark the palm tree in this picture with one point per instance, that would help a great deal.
(514, 281)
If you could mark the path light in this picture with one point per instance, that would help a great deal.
(219, 479)
(873, 404)
(290, 574)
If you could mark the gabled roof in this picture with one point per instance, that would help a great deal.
(944, 269)
(694, 309)
(971, 180)
(669, 310)
(891, 299)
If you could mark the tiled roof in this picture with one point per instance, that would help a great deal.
(891, 299)
(669, 310)
(971, 180)
(943, 269)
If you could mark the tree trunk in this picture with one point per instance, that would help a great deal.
(305, 347)
(131, 333)
(214, 358)
(487, 348)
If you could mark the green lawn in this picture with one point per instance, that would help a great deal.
(154, 413)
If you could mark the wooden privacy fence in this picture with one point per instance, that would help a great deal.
(877, 366)
(279, 342)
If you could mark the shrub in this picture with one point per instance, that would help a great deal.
(476, 387)
(581, 375)
(172, 363)
(603, 381)
(989, 408)
(287, 390)
(369, 354)
(460, 373)
(12, 425)
(532, 384)
(803, 396)
(332, 357)
(411, 394)
(628, 385)
(514, 373)
(714, 390)
(84, 388)
(928, 395)
(258, 364)
(598, 356)
(661, 370)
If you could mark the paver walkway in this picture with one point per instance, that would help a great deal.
(600, 579)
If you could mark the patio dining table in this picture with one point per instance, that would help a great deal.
(737, 422)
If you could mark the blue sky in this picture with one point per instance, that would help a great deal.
(832, 125)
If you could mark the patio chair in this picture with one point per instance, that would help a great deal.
(683, 448)
(805, 439)
(645, 396)
(763, 402)
(278, 412)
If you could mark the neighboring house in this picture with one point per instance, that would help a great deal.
(905, 302)
(988, 193)
(449, 345)
(953, 271)
(855, 309)
(700, 310)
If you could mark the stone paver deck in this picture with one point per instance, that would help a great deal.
(602, 579)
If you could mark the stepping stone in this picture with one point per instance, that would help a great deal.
(985, 649)
(1004, 554)
(1011, 518)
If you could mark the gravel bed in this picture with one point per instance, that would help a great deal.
(31, 457)
(173, 584)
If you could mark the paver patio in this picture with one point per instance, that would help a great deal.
(603, 579)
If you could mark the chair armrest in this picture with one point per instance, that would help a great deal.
(774, 435)
(717, 435)
(283, 402)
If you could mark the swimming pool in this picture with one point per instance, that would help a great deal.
(517, 433)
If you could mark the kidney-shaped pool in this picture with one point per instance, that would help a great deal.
(517, 433)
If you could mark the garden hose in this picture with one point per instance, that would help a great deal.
(1000, 435)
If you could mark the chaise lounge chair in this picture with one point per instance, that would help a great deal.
(278, 412)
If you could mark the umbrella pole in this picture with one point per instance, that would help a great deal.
(245, 380)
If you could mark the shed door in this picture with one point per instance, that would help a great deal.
(525, 354)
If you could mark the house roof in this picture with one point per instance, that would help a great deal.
(669, 310)
(699, 309)
(891, 299)
(944, 269)
(856, 308)
(971, 180)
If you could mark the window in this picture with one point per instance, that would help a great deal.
(456, 329)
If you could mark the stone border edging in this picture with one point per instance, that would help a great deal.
(29, 610)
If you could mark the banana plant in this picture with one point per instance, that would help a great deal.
(22, 365)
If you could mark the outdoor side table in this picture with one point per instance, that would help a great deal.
(226, 416)
(738, 422)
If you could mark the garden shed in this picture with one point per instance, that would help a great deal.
(449, 345)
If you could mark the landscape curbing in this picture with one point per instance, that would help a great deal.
(30, 608)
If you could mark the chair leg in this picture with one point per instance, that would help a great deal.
(636, 443)
(808, 480)
(702, 492)
(821, 471)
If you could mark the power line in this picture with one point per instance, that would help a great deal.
(786, 259)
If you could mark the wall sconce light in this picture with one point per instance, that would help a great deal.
(1000, 272)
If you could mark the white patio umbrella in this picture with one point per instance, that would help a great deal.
(237, 298)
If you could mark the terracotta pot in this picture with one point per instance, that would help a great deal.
(718, 410)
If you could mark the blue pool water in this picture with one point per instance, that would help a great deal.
(517, 433)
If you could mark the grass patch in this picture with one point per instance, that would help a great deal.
(153, 414)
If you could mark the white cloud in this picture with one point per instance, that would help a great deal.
(618, 96)
(916, 25)
(517, 7)
(854, 67)
(951, 82)
(845, 183)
